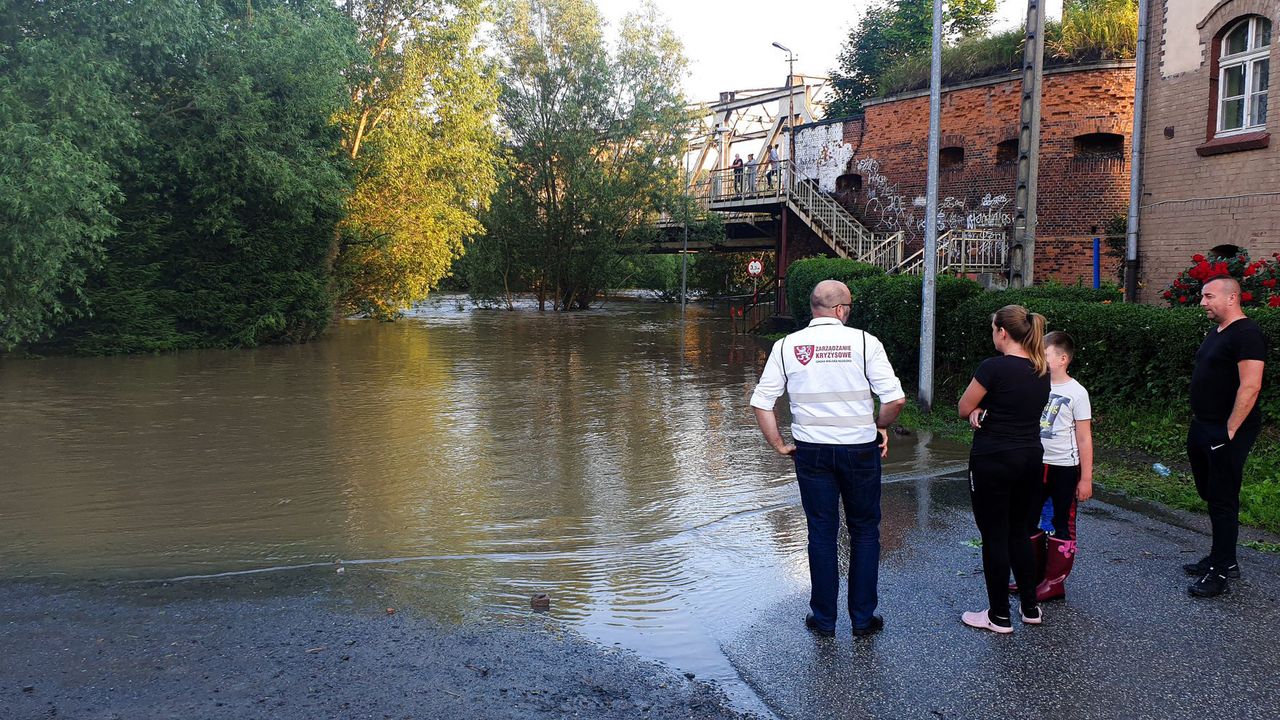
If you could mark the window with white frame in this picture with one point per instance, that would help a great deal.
(1243, 70)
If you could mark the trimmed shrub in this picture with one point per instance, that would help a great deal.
(1124, 353)
(804, 275)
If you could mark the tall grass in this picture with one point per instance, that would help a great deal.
(1097, 30)
(1091, 30)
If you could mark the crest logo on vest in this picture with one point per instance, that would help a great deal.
(804, 353)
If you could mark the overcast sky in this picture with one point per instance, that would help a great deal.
(729, 43)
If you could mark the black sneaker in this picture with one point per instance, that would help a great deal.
(873, 627)
(1213, 584)
(1197, 569)
(812, 624)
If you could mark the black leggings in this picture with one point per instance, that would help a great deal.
(1005, 490)
(1060, 486)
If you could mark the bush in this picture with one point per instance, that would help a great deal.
(804, 275)
(1124, 353)
(1258, 279)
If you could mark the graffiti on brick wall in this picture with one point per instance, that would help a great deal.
(822, 154)
(891, 210)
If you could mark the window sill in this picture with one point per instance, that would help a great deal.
(1235, 143)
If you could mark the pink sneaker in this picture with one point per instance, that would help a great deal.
(981, 621)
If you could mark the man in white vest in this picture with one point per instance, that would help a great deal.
(830, 371)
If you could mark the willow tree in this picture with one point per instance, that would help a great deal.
(419, 133)
(593, 138)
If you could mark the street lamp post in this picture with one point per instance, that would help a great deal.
(785, 178)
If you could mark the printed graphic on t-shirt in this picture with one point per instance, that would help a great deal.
(1049, 417)
(824, 353)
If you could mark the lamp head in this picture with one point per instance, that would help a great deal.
(782, 47)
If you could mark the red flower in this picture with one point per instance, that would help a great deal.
(1246, 296)
(1197, 258)
(1182, 298)
(1251, 270)
(1168, 294)
(1269, 283)
(1274, 301)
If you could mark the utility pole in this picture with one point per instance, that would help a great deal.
(1022, 249)
(787, 178)
(1135, 159)
(684, 254)
(928, 288)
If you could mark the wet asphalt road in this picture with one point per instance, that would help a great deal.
(1128, 642)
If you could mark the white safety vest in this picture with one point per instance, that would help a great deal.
(829, 372)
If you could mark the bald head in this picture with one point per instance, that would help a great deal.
(1224, 284)
(827, 296)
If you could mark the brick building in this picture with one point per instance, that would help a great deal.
(1210, 175)
(876, 163)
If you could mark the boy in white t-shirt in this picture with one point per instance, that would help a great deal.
(1067, 436)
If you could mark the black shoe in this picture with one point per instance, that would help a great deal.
(873, 627)
(1198, 569)
(812, 624)
(1213, 584)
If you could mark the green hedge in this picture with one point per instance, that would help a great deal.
(1125, 353)
(1131, 354)
(804, 275)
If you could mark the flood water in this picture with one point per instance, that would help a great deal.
(608, 458)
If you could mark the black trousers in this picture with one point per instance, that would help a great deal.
(1218, 466)
(1060, 486)
(1005, 490)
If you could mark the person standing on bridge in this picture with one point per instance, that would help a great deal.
(830, 372)
(1225, 422)
(773, 166)
(752, 163)
(737, 173)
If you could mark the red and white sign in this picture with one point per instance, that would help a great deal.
(804, 353)
(755, 268)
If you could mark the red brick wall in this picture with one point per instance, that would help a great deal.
(1192, 203)
(1077, 197)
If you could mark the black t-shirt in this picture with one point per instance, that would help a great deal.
(1216, 377)
(1015, 399)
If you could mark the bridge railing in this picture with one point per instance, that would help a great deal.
(730, 185)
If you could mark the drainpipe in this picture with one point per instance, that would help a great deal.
(1135, 159)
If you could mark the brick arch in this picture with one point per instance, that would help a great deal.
(1228, 11)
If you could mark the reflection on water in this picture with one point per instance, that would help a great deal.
(474, 456)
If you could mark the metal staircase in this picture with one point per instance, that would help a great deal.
(961, 252)
(841, 231)
(726, 192)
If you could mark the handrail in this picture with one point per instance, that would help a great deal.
(962, 251)
(842, 232)
(748, 314)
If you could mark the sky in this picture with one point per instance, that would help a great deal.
(728, 44)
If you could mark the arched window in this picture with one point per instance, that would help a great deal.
(1243, 70)
(1007, 152)
(849, 182)
(1099, 146)
(951, 158)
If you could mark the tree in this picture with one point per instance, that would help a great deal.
(64, 125)
(419, 133)
(594, 140)
(892, 31)
(229, 197)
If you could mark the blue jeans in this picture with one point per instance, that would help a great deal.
(829, 474)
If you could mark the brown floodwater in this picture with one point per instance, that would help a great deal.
(608, 458)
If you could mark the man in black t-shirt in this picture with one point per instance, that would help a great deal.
(1224, 425)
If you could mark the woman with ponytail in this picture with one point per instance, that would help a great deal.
(1003, 403)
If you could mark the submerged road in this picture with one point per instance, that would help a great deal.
(1128, 642)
